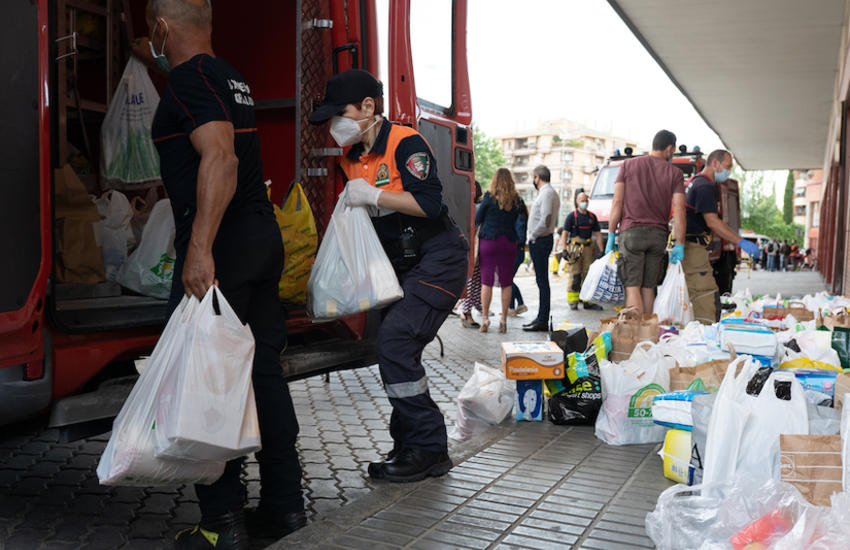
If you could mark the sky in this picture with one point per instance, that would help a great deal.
(541, 60)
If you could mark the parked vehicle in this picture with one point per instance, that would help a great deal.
(62, 346)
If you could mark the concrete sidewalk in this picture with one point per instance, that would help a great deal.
(520, 485)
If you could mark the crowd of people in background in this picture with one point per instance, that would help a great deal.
(780, 256)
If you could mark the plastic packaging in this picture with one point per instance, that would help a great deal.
(208, 412)
(576, 398)
(114, 231)
(352, 272)
(673, 305)
(710, 516)
(628, 389)
(602, 283)
(150, 267)
(486, 399)
(300, 240)
(129, 456)
(128, 155)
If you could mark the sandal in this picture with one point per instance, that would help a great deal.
(485, 324)
(503, 327)
(467, 321)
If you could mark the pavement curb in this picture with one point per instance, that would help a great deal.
(327, 528)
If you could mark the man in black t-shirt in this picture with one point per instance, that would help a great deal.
(701, 221)
(579, 228)
(226, 235)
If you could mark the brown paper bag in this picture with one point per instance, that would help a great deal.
(839, 318)
(797, 309)
(812, 463)
(842, 386)
(79, 257)
(627, 330)
(682, 377)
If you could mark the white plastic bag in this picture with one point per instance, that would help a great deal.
(770, 416)
(728, 421)
(150, 267)
(673, 305)
(706, 516)
(485, 400)
(602, 284)
(208, 412)
(114, 231)
(352, 272)
(129, 456)
(128, 155)
(628, 389)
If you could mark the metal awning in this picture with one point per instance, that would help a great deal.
(761, 73)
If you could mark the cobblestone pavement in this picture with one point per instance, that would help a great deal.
(533, 473)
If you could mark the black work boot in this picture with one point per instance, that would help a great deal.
(226, 532)
(593, 307)
(573, 306)
(375, 468)
(413, 465)
(264, 522)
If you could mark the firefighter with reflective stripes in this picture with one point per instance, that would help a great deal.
(581, 228)
(702, 221)
(391, 170)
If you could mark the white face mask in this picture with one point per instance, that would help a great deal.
(346, 131)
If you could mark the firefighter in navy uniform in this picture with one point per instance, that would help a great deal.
(226, 234)
(702, 221)
(580, 227)
(390, 169)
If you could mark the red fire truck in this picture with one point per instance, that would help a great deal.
(66, 348)
(724, 255)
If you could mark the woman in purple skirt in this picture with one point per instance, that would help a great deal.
(496, 217)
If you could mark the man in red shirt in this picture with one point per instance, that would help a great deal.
(652, 186)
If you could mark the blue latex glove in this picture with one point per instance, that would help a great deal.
(610, 246)
(750, 248)
(677, 254)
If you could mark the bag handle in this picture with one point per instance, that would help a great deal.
(630, 312)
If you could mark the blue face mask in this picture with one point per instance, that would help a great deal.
(160, 58)
(721, 176)
(583, 205)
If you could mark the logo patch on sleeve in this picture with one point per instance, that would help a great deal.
(383, 176)
(419, 165)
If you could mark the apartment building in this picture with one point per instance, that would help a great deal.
(572, 152)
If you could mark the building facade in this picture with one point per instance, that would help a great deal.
(572, 152)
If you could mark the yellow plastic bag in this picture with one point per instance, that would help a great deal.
(300, 240)
(553, 264)
(807, 363)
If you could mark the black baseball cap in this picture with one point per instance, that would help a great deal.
(346, 87)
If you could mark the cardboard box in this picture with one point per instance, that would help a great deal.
(529, 400)
(532, 360)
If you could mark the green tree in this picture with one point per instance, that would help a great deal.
(788, 205)
(759, 212)
(488, 156)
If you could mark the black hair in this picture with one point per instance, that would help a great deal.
(663, 139)
(718, 154)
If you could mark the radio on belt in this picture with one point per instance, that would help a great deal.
(532, 360)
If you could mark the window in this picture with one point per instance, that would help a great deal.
(604, 186)
(569, 175)
(815, 214)
(520, 143)
(799, 210)
(431, 44)
(521, 161)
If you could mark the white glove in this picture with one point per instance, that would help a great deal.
(358, 192)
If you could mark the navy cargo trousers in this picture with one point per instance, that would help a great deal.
(248, 256)
(431, 289)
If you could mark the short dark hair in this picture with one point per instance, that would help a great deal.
(663, 139)
(718, 154)
(542, 172)
(379, 104)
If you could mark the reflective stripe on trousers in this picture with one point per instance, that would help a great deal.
(407, 389)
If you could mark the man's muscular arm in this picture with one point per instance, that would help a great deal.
(216, 185)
